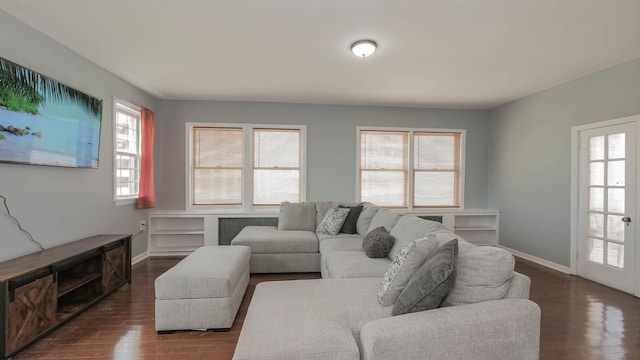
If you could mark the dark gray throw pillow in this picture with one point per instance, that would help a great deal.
(349, 225)
(431, 283)
(378, 242)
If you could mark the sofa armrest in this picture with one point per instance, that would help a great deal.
(500, 329)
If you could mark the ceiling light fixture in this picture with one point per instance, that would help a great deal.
(363, 48)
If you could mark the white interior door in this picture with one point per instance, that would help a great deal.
(606, 206)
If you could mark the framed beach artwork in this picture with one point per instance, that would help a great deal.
(44, 122)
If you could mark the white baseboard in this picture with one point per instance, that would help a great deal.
(539, 261)
(139, 258)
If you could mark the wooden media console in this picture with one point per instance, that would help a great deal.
(41, 291)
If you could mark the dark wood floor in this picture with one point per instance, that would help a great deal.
(580, 320)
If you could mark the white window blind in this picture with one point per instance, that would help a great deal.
(276, 166)
(217, 166)
(436, 169)
(383, 167)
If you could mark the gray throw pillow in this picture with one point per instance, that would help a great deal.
(349, 226)
(403, 266)
(297, 216)
(377, 243)
(332, 221)
(431, 283)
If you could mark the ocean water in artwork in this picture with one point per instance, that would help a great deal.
(61, 134)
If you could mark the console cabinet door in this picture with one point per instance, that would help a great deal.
(114, 269)
(32, 311)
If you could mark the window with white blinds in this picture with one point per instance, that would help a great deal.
(411, 168)
(276, 166)
(240, 165)
(217, 166)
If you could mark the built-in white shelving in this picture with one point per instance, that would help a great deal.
(477, 226)
(176, 233)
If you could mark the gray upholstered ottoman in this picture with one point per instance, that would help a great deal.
(204, 290)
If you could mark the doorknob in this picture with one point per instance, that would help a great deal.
(626, 220)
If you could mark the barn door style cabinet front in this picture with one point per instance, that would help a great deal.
(39, 292)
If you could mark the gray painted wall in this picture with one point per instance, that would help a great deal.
(331, 142)
(55, 204)
(530, 156)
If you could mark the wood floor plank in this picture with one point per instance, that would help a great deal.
(581, 320)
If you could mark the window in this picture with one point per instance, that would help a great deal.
(241, 165)
(411, 168)
(217, 166)
(127, 138)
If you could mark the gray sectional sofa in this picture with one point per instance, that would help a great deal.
(486, 315)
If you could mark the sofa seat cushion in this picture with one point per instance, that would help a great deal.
(340, 242)
(270, 240)
(209, 272)
(308, 319)
(355, 264)
(410, 228)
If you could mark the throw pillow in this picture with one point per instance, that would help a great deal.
(297, 216)
(408, 260)
(332, 221)
(377, 243)
(349, 226)
(483, 273)
(431, 282)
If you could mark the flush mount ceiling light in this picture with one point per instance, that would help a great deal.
(363, 48)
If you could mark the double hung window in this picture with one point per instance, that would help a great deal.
(245, 166)
(411, 168)
(127, 141)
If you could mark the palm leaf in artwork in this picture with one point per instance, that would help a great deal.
(36, 88)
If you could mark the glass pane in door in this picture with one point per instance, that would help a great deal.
(606, 176)
(615, 255)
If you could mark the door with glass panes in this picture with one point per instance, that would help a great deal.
(606, 241)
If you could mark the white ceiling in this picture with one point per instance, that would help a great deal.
(432, 53)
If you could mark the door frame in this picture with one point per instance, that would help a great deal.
(575, 189)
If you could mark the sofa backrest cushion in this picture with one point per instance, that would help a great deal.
(297, 216)
(430, 284)
(322, 207)
(482, 273)
(386, 218)
(408, 229)
(364, 220)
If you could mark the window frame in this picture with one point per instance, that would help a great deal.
(123, 106)
(247, 202)
(409, 200)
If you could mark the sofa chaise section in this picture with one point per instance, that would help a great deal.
(280, 251)
(342, 319)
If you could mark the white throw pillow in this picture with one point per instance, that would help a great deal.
(332, 221)
(408, 260)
